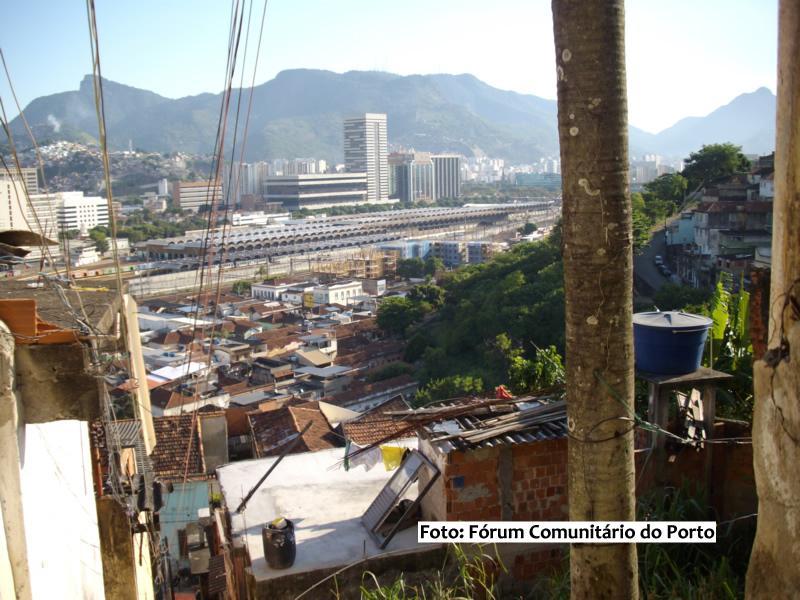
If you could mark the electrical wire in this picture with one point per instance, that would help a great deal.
(40, 162)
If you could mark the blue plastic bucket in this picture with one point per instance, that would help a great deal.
(669, 343)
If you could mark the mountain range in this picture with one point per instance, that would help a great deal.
(299, 113)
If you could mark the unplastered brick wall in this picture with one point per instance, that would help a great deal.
(518, 482)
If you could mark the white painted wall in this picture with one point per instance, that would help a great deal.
(60, 513)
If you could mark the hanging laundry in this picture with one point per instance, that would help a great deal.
(367, 459)
(392, 456)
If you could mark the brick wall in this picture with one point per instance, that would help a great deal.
(472, 489)
(522, 482)
(528, 482)
(540, 481)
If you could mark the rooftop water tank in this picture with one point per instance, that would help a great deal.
(670, 342)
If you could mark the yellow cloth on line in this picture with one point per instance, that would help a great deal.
(392, 456)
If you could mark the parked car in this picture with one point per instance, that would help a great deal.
(658, 260)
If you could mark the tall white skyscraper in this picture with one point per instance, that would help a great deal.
(447, 175)
(365, 151)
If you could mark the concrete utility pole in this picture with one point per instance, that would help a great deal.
(773, 570)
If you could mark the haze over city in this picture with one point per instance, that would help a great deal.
(684, 57)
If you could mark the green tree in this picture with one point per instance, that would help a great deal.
(528, 228)
(100, 240)
(670, 187)
(396, 315)
(394, 369)
(428, 293)
(456, 386)
(544, 371)
(642, 223)
(241, 287)
(409, 268)
(712, 162)
(415, 348)
(680, 297)
(433, 265)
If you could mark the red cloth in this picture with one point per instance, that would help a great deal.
(502, 393)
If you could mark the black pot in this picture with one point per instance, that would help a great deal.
(280, 547)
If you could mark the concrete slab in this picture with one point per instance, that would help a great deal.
(324, 502)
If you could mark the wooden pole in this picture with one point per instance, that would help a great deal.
(773, 570)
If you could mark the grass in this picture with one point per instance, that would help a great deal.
(666, 571)
(471, 576)
(681, 571)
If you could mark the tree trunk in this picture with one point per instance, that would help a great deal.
(773, 570)
(598, 280)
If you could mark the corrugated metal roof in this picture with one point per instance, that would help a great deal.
(525, 423)
(126, 432)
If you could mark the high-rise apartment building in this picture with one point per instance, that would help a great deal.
(13, 205)
(46, 207)
(447, 175)
(412, 177)
(29, 176)
(365, 151)
(81, 213)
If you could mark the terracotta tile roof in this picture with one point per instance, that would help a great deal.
(170, 452)
(373, 425)
(238, 387)
(163, 397)
(242, 323)
(356, 327)
(284, 345)
(278, 332)
(274, 429)
(370, 351)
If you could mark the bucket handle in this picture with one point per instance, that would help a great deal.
(702, 329)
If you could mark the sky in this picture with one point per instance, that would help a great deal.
(684, 57)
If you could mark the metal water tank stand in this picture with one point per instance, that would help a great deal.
(659, 388)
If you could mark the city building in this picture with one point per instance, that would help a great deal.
(305, 166)
(29, 177)
(193, 195)
(451, 252)
(77, 212)
(446, 175)
(365, 151)
(83, 254)
(153, 202)
(547, 181)
(412, 177)
(318, 191)
(245, 179)
(163, 187)
(481, 252)
(13, 212)
(269, 291)
(374, 287)
(338, 293)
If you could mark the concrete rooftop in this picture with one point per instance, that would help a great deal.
(324, 502)
(99, 304)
